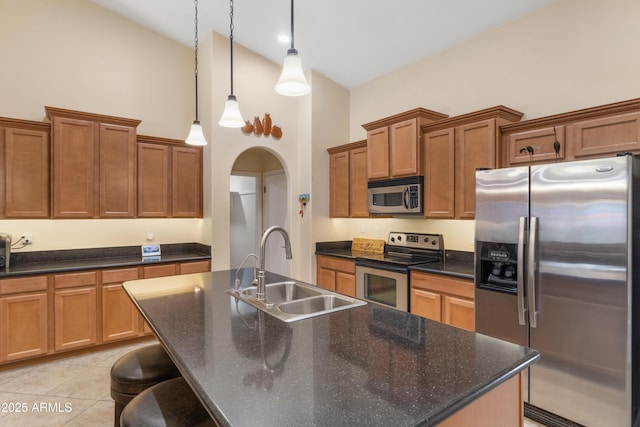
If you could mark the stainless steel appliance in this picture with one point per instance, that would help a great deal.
(384, 278)
(396, 196)
(555, 248)
(5, 250)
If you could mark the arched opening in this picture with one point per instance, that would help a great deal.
(258, 186)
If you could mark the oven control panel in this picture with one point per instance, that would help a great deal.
(417, 240)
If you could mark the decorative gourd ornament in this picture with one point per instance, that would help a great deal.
(248, 127)
(266, 124)
(257, 126)
(276, 132)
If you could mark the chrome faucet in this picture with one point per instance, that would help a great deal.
(261, 294)
(254, 282)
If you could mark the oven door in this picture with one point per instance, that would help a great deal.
(390, 288)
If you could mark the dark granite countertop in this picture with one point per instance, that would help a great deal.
(60, 261)
(457, 263)
(369, 365)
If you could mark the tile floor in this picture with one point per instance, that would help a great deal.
(70, 392)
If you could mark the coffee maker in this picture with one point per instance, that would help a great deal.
(5, 250)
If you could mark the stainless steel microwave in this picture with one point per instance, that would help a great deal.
(396, 196)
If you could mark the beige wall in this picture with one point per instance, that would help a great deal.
(76, 55)
(568, 55)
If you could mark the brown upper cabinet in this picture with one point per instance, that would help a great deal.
(453, 149)
(93, 161)
(169, 178)
(348, 181)
(393, 143)
(595, 132)
(24, 169)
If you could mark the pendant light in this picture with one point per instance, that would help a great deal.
(231, 117)
(292, 81)
(196, 136)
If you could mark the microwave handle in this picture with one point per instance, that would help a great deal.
(405, 197)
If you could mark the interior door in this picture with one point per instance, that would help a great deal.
(275, 213)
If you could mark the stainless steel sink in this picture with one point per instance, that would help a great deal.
(291, 300)
(283, 291)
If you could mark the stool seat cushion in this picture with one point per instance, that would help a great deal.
(140, 369)
(171, 403)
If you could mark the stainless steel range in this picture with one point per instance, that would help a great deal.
(384, 278)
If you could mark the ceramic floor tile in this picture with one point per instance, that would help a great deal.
(100, 414)
(93, 383)
(42, 378)
(46, 411)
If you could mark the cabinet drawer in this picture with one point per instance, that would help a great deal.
(159, 270)
(194, 267)
(120, 275)
(73, 280)
(23, 284)
(338, 264)
(443, 284)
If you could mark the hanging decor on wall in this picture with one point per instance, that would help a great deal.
(262, 127)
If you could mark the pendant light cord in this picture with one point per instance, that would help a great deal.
(196, 57)
(292, 25)
(231, 41)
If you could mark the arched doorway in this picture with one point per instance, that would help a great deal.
(258, 187)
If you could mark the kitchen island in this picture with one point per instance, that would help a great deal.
(368, 365)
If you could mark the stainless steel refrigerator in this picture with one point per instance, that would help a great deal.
(555, 247)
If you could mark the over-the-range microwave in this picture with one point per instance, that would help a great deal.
(397, 196)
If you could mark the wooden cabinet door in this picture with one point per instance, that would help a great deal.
(459, 312)
(426, 304)
(404, 148)
(74, 185)
(339, 185)
(346, 284)
(75, 318)
(605, 136)
(475, 148)
(26, 173)
(439, 174)
(378, 153)
(23, 330)
(326, 279)
(358, 189)
(120, 317)
(153, 180)
(186, 182)
(541, 140)
(117, 171)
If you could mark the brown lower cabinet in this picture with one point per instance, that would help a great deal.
(46, 314)
(443, 298)
(23, 318)
(75, 308)
(336, 274)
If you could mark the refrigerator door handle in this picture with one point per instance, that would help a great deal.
(531, 272)
(522, 310)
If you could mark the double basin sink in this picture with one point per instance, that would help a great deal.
(290, 300)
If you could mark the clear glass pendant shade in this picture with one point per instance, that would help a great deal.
(231, 117)
(292, 81)
(196, 136)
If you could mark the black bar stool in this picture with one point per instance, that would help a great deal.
(136, 371)
(171, 403)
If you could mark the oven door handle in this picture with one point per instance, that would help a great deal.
(379, 266)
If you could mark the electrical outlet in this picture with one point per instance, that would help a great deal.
(27, 238)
